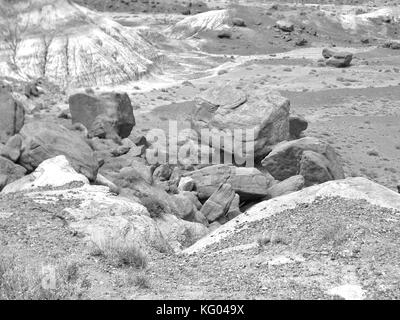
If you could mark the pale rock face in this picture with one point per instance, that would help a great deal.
(102, 217)
(350, 188)
(73, 46)
(285, 25)
(54, 172)
(348, 292)
(186, 184)
(190, 26)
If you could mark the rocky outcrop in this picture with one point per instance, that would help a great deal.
(45, 140)
(12, 115)
(263, 119)
(135, 179)
(73, 46)
(347, 189)
(51, 173)
(103, 219)
(106, 116)
(99, 216)
(288, 159)
(249, 183)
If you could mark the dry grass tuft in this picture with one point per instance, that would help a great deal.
(19, 282)
(121, 254)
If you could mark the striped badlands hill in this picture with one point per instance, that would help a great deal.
(70, 45)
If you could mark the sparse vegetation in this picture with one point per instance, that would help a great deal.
(141, 281)
(335, 234)
(120, 254)
(19, 282)
(263, 239)
(373, 153)
(271, 238)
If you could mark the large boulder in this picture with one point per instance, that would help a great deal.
(12, 115)
(285, 160)
(219, 202)
(45, 140)
(105, 115)
(51, 173)
(223, 109)
(337, 59)
(9, 171)
(249, 183)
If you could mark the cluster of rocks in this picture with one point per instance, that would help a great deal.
(289, 32)
(285, 160)
(392, 44)
(187, 202)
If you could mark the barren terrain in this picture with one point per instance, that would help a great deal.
(327, 248)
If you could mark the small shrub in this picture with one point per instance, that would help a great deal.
(373, 153)
(271, 238)
(141, 281)
(153, 205)
(336, 234)
(121, 254)
(263, 239)
(225, 34)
